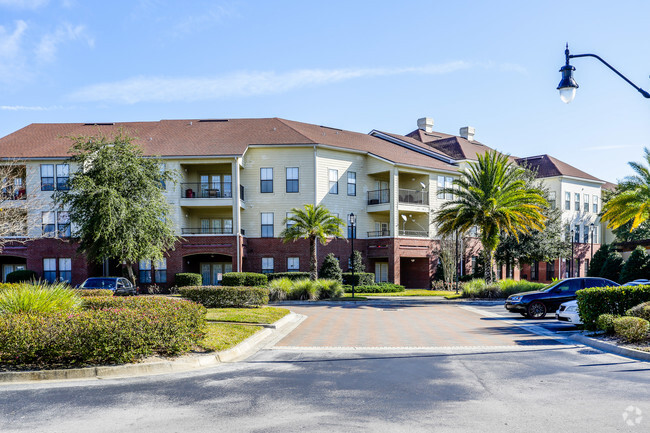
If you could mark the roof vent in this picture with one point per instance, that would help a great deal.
(213, 120)
(467, 132)
(99, 124)
(426, 124)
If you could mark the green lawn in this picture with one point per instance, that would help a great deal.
(412, 292)
(222, 336)
(247, 315)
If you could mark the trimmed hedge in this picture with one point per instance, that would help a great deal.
(605, 322)
(376, 288)
(293, 276)
(360, 279)
(20, 276)
(184, 279)
(225, 296)
(93, 293)
(631, 329)
(641, 310)
(244, 279)
(111, 330)
(595, 301)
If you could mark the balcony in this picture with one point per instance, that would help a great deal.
(206, 190)
(414, 233)
(413, 196)
(11, 192)
(379, 196)
(379, 234)
(206, 231)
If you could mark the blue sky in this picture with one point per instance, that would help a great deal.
(357, 65)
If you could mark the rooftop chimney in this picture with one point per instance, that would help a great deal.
(425, 124)
(467, 132)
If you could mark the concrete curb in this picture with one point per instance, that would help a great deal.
(611, 348)
(246, 348)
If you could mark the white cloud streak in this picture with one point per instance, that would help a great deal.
(48, 46)
(242, 84)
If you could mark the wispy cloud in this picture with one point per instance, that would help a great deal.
(47, 47)
(12, 57)
(192, 23)
(29, 108)
(24, 4)
(613, 146)
(242, 84)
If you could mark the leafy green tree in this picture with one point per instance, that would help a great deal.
(636, 266)
(357, 262)
(612, 266)
(626, 233)
(313, 223)
(494, 196)
(631, 200)
(116, 201)
(597, 262)
(331, 268)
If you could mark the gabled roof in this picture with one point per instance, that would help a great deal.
(455, 147)
(548, 166)
(425, 137)
(205, 137)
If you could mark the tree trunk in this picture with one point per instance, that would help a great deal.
(313, 262)
(129, 269)
(489, 256)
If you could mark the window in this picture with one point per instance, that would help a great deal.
(227, 226)
(267, 265)
(585, 204)
(567, 201)
(162, 175)
(290, 223)
(595, 203)
(445, 182)
(551, 199)
(577, 200)
(144, 271)
(266, 180)
(292, 179)
(576, 233)
(65, 269)
(49, 225)
(596, 235)
(334, 181)
(267, 224)
(474, 264)
(550, 270)
(63, 224)
(534, 271)
(293, 264)
(585, 234)
(351, 233)
(160, 267)
(62, 177)
(567, 232)
(352, 183)
(441, 185)
(47, 177)
(586, 266)
(49, 270)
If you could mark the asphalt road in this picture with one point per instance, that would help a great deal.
(551, 387)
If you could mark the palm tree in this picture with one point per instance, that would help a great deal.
(494, 196)
(313, 223)
(631, 201)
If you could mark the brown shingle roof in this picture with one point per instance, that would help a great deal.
(548, 166)
(426, 137)
(194, 137)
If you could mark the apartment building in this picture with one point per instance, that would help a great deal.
(239, 180)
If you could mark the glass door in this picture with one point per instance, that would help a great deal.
(381, 272)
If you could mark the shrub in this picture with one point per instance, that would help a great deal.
(20, 276)
(612, 267)
(605, 322)
(188, 279)
(293, 276)
(223, 297)
(376, 288)
(305, 290)
(635, 266)
(360, 279)
(357, 262)
(279, 289)
(595, 301)
(331, 269)
(92, 293)
(641, 310)
(38, 298)
(598, 261)
(509, 287)
(244, 279)
(112, 330)
(631, 329)
(329, 288)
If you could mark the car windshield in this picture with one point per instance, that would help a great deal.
(99, 283)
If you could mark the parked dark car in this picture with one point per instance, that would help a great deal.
(535, 305)
(119, 285)
(640, 282)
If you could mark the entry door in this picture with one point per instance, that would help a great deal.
(7, 269)
(381, 272)
(212, 273)
(384, 194)
(210, 185)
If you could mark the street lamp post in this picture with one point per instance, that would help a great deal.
(591, 232)
(352, 220)
(568, 85)
(571, 264)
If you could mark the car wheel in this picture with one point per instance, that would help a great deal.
(536, 310)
